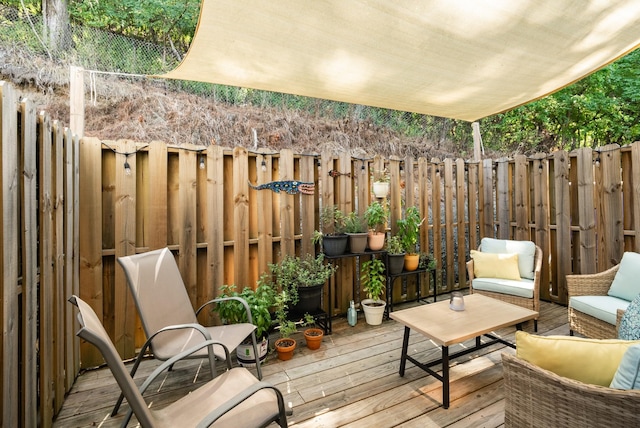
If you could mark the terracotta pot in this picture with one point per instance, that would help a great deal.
(313, 336)
(376, 240)
(284, 348)
(411, 261)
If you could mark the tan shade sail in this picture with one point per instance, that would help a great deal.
(463, 59)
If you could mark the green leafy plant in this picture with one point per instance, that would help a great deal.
(355, 223)
(331, 218)
(376, 215)
(373, 278)
(260, 302)
(381, 176)
(293, 272)
(427, 261)
(286, 327)
(409, 229)
(394, 245)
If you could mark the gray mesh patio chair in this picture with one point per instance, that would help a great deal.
(232, 399)
(168, 318)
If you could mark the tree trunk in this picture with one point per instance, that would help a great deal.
(56, 28)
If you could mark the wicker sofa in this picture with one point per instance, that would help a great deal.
(535, 397)
(592, 285)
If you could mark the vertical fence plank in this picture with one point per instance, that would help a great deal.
(29, 206)
(68, 244)
(473, 207)
(586, 210)
(395, 195)
(436, 203)
(264, 203)
(461, 222)
(612, 204)
(346, 266)
(215, 217)
(409, 182)
(240, 215)
(488, 207)
(47, 283)
(9, 268)
(308, 205)
(287, 215)
(502, 200)
(540, 179)
(562, 221)
(59, 300)
(125, 245)
(424, 207)
(156, 220)
(188, 167)
(449, 221)
(521, 199)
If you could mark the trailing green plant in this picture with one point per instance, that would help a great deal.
(260, 302)
(394, 245)
(376, 215)
(427, 261)
(286, 327)
(373, 278)
(355, 223)
(293, 272)
(409, 229)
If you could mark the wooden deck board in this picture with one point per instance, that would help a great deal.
(351, 381)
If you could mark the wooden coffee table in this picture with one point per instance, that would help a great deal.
(446, 327)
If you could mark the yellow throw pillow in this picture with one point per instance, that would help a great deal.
(590, 361)
(493, 265)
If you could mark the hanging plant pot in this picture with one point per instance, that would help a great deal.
(373, 311)
(396, 263)
(313, 336)
(380, 189)
(285, 347)
(244, 352)
(411, 261)
(376, 240)
(335, 245)
(358, 242)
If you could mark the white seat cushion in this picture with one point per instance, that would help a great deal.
(602, 307)
(522, 288)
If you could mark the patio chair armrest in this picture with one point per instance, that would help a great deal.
(470, 271)
(238, 399)
(619, 314)
(596, 284)
(182, 355)
(222, 299)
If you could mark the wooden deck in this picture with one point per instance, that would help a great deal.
(352, 380)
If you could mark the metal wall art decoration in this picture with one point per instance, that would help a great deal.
(289, 186)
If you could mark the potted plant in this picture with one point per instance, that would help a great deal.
(395, 255)
(333, 238)
(426, 262)
(312, 334)
(374, 285)
(408, 231)
(356, 229)
(302, 279)
(376, 215)
(285, 345)
(260, 302)
(381, 184)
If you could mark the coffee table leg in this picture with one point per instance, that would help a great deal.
(445, 377)
(405, 346)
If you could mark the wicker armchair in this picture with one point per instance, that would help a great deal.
(597, 284)
(533, 303)
(535, 397)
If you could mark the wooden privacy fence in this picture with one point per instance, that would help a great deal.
(579, 208)
(70, 208)
(39, 351)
